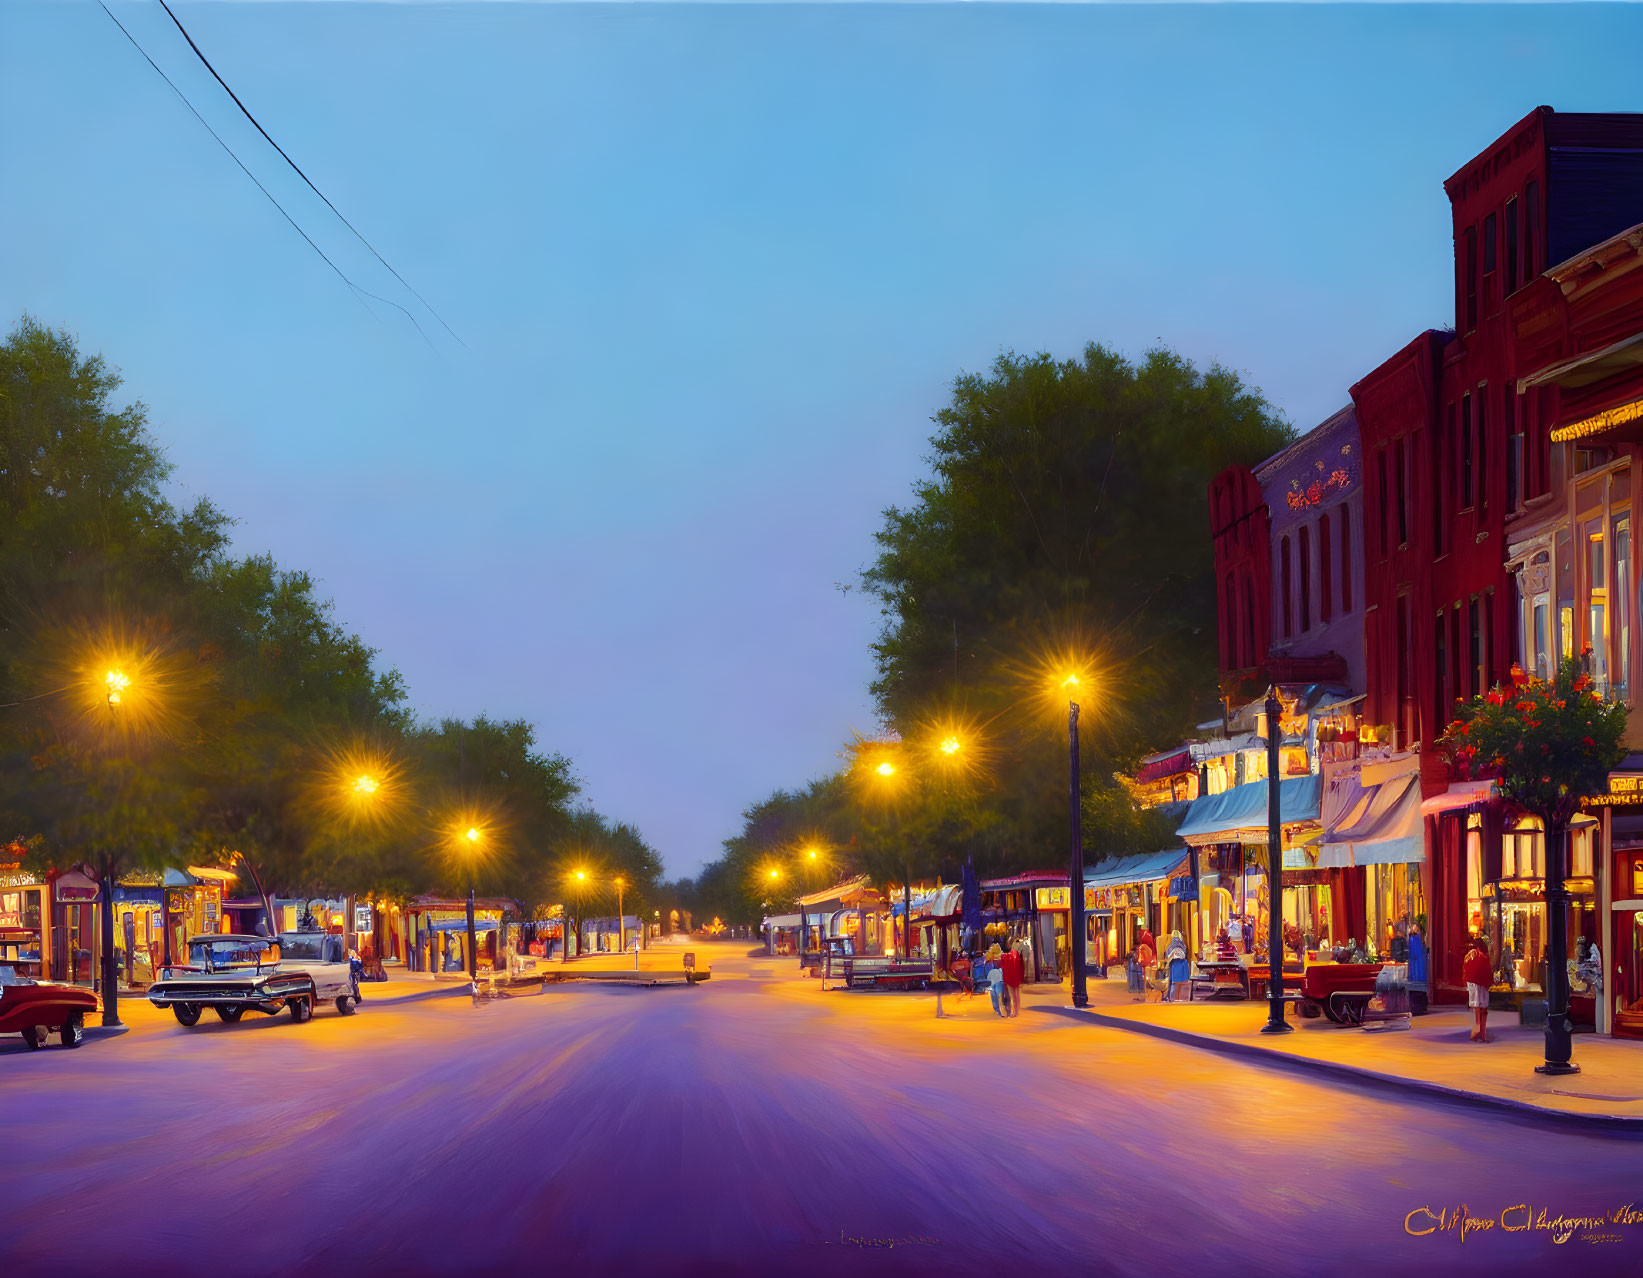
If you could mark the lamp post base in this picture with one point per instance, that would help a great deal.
(1558, 1067)
(1277, 1027)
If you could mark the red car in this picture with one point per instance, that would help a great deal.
(34, 1009)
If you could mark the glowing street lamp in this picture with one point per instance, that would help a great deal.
(473, 836)
(366, 785)
(621, 932)
(116, 681)
(1071, 686)
(886, 769)
(951, 745)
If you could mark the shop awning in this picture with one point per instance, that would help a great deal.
(841, 896)
(1461, 794)
(1372, 816)
(783, 920)
(461, 925)
(944, 902)
(212, 874)
(1165, 765)
(1143, 867)
(1219, 818)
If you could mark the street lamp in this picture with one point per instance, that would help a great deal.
(116, 681)
(1070, 686)
(473, 836)
(1275, 1024)
(621, 931)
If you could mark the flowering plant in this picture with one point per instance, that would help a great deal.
(1550, 742)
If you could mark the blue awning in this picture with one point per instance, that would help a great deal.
(1372, 816)
(1142, 867)
(1220, 818)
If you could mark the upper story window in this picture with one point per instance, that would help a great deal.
(1463, 464)
(1491, 241)
(1383, 495)
(1483, 448)
(1305, 547)
(1285, 585)
(1401, 461)
(1470, 276)
(1509, 250)
(1325, 603)
(1531, 229)
(1346, 557)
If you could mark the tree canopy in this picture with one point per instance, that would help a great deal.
(245, 715)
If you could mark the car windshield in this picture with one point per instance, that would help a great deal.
(215, 952)
(302, 947)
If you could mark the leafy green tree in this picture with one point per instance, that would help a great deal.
(1065, 518)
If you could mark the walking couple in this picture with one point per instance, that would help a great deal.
(1004, 976)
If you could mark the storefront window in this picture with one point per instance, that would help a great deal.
(1597, 604)
(1474, 875)
(1523, 851)
(1396, 904)
(1542, 637)
(1622, 607)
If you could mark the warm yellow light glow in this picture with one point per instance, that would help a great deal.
(775, 874)
(951, 745)
(473, 835)
(1072, 681)
(581, 876)
(117, 681)
(886, 769)
(812, 854)
(366, 785)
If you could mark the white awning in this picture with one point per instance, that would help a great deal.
(783, 920)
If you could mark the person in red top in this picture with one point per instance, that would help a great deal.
(1013, 968)
(1476, 973)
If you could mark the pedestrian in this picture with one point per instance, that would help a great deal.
(1180, 968)
(1146, 958)
(1014, 968)
(995, 978)
(1476, 973)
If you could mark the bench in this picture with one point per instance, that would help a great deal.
(859, 971)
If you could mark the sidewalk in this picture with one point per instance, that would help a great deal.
(1434, 1055)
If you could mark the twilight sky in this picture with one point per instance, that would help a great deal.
(715, 268)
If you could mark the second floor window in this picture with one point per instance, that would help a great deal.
(1346, 556)
(1285, 585)
(1401, 462)
(1325, 604)
(1471, 277)
(1510, 250)
(1305, 543)
(1464, 465)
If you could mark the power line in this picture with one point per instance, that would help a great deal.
(248, 173)
(298, 171)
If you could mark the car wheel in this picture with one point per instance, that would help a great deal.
(229, 1014)
(345, 1005)
(74, 1030)
(32, 1035)
(301, 1009)
(186, 1013)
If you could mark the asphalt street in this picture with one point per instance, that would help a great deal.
(756, 1125)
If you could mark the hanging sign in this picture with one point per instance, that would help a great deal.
(1054, 898)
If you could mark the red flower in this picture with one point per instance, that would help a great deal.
(1497, 697)
(1588, 743)
(1518, 677)
(1525, 706)
(1464, 727)
(1314, 492)
(1582, 682)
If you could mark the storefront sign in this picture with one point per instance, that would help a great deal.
(1305, 878)
(1053, 898)
(1092, 899)
(211, 910)
(1625, 788)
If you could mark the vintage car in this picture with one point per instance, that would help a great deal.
(234, 974)
(35, 1009)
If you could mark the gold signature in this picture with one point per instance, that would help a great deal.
(1521, 1218)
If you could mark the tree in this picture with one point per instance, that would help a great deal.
(1066, 516)
(1551, 744)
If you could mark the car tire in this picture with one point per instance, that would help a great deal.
(346, 1005)
(301, 1009)
(74, 1030)
(187, 1014)
(32, 1036)
(229, 1014)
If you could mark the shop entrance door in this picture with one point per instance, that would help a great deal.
(1628, 973)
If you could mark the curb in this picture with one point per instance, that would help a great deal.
(1609, 1124)
(106, 1031)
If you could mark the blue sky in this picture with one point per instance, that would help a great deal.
(715, 267)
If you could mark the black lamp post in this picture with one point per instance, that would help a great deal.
(1559, 1031)
(1075, 873)
(1276, 1024)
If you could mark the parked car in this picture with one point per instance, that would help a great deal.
(35, 1009)
(234, 974)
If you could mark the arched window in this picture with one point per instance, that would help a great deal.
(1325, 566)
(1304, 553)
(1346, 557)
(1284, 585)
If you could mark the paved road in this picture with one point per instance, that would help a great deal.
(750, 1125)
